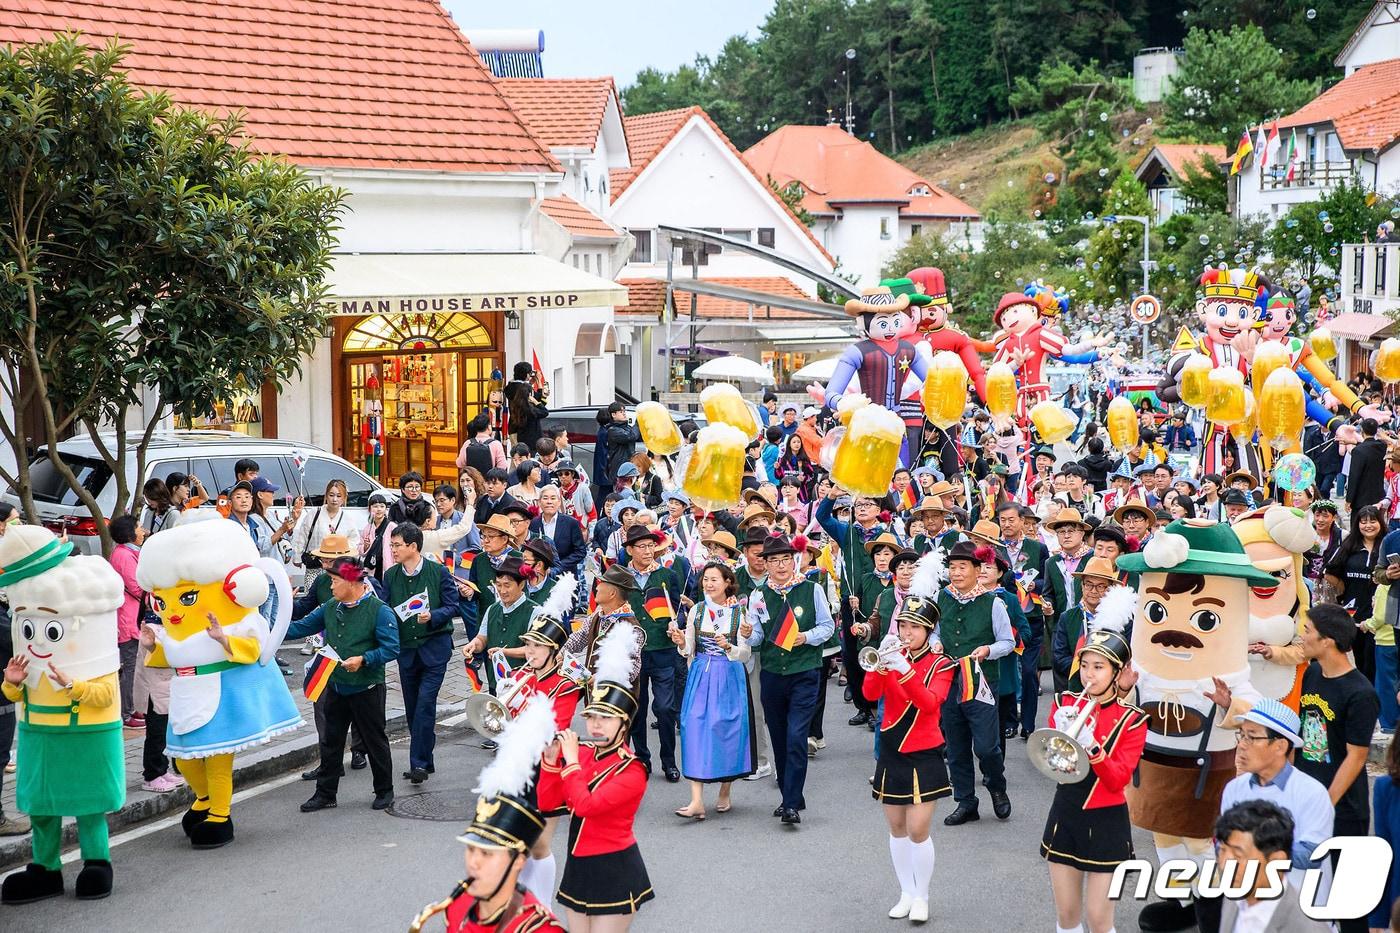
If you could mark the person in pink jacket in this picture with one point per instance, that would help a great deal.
(123, 561)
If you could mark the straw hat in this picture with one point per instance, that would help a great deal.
(1067, 517)
(333, 546)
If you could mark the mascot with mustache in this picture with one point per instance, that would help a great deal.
(1191, 669)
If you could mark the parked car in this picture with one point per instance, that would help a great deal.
(581, 421)
(208, 455)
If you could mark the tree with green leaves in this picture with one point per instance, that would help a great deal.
(149, 261)
(1228, 82)
(1113, 269)
(1306, 242)
(1203, 185)
(1309, 34)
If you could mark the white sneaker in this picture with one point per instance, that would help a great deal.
(811, 747)
(763, 772)
(901, 910)
(918, 911)
(306, 648)
(821, 743)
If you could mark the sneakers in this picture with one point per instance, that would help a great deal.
(16, 825)
(763, 772)
(134, 721)
(918, 911)
(163, 784)
(10, 768)
(901, 910)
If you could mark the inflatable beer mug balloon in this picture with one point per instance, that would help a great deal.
(1052, 422)
(724, 405)
(1224, 397)
(945, 390)
(830, 442)
(658, 429)
(1323, 345)
(1001, 391)
(1387, 365)
(1281, 411)
(1268, 356)
(1122, 424)
(849, 405)
(1245, 430)
(1195, 380)
(715, 473)
(868, 454)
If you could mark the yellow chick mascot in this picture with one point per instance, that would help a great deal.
(64, 677)
(207, 583)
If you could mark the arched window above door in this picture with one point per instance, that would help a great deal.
(416, 333)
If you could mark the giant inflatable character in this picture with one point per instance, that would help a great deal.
(63, 676)
(937, 334)
(1191, 658)
(1276, 539)
(1024, 342)
(1280, 313)
(207, 583)
(880, 363)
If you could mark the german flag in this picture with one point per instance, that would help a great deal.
(474, 678)
(786, 635)
(658, 606)
(907, 499)
(319, 674)
(968, 668)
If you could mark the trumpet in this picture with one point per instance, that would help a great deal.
(441, 906)
(1059, 754)
(872, 658)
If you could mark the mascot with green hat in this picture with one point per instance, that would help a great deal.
(1190, 645)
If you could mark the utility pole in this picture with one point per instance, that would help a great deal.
(1147, 264)
(850, 113)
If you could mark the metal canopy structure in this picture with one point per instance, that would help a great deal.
(839, 286)
(757, 299)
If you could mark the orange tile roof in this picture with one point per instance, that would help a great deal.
(649, 133)
(834, 169)
(366, 83)
(579, 220)
(648, 297)
(562, 112)
(1177, 156)
(1364, 107)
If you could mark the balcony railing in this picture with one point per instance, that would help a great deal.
(1307, 175)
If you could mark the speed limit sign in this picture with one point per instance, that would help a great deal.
(1145, 309)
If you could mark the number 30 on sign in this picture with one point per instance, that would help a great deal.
(1145, 309)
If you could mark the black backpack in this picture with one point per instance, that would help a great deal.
(479, 456)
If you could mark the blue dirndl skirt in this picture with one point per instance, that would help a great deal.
(717, 739)
(254, 706)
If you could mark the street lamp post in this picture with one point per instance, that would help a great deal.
(1147, 264)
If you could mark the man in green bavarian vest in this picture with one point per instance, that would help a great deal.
(365, 634)
(974, 625)
(507, 619)
(497, 543)
(856, 564)
(750, 575)
(424, 597)
(791, 620)
(655, 602)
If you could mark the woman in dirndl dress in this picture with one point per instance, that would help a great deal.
(717, 737)
(911, 773)
(1087, 833)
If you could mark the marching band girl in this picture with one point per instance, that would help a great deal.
(605, 880)
(1087, 832)
(913, 678)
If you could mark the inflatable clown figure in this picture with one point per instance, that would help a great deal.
(63, 678)
(1024, 342)
(936, 334)
(1280, 314)
(1232, 302)
(1192, 675)
(879, 364)
(207, 583)
(1276, 539)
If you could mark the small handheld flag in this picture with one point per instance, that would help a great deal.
(474, 678)
(318, 673)
(786, 635)
(658, 605)
(499, 665)
(410, 607)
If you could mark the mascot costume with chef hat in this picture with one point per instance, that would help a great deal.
(1276, 539)
(207, 584)
(1191, 661)
(63, 676)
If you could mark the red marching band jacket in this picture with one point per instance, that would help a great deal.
(564, 693)
(1121, 731)
(913, 700)
(530, 917)
(603, 794)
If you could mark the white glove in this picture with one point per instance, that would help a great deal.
(1063, 717)
(898, 662)
(1064, 721)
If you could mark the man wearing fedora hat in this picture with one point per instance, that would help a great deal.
(1092, 580)
(506, 619)
(1137, 521)
(655, 602)
(850, 537)
(610, 595)
(752, 573)
(497, 544)
(791, 620)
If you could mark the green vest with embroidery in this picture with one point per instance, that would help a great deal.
(966, 626)
(483, 576)
(350, 631)
(399, 586)
(655, 627)
(503, 630)
(802, 600)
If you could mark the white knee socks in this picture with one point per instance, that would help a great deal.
(1077, 928)
(901, 855)
(537, 877)
(922, 856)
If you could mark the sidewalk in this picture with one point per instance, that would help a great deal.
(296, 750)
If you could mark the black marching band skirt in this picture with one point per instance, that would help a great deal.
(1096, 839)
(904, 778)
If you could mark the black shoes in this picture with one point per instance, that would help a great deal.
(212, 834)
(311, 775)
(489, 744)
(859, 719)
(1001, 804)
(778, 811)
(383, 801)
(416, 775)
(673, 775)
(1167, 916)
(791, 817)
(35, 883)
(1009, 732)
(963, 814)
(94, 881)
(358, 761)
(193, 818)
(317, 802)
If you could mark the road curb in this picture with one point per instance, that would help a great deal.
(250, 768)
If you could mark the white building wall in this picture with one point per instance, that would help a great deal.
(433, 223)
(1379, 43)
(858, 243)
(1153, 70)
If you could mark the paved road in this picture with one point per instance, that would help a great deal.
(354, 869)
